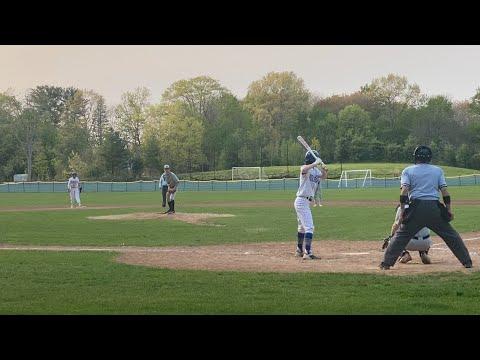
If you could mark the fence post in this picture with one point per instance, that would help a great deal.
(226, 186)
(23, 186)
(475, 177)
(141, 185)
(8, 187)
(283, 184)
(111, 186)
(356, 183)
(255, 184)
(241, 185)
(198, 185)
(459, 181)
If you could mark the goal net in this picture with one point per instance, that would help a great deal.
(364, 175)
(248, 173)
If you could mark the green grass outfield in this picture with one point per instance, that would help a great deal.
(379, 170)
(92, 283)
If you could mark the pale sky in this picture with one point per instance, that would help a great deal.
(451, 70)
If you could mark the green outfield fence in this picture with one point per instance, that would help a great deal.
(215, 185)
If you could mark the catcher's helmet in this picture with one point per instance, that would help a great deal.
(422, 153)
(309, 158)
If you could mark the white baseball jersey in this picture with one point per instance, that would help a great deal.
(73, 182)
(309, 182)
(306, 189)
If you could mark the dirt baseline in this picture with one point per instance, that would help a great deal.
(337, 256)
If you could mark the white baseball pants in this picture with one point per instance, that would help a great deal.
(304, 215)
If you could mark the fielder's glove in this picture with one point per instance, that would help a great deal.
(80, 189)
(386, 241)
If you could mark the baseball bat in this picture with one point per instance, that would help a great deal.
(309, 149)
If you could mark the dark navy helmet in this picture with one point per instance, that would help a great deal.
(422, 153)
(309, 158)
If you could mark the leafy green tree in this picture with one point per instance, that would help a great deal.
(392, 95)
(27, 127)
(115, 155)
(131, 115)
(279, 102)
(198, 94)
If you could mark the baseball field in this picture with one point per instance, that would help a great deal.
(224, 253)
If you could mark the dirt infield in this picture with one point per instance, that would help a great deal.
(336, 256)
(191, 218)
(236, 204)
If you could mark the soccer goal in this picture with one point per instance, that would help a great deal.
(365, 174)
(248, 173)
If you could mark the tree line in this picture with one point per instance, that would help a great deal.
(199, 125)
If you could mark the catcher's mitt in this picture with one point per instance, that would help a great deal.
(386, 241)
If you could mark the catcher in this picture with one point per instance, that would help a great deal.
(421, 242)
(172, 181)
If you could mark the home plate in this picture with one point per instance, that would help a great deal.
(356, 253)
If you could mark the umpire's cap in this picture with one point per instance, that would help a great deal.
(422, 153)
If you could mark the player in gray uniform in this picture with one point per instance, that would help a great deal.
(172, 181)
(162, 184)
(317, 198)
(420, 207)
(310, 176)
(421, 242)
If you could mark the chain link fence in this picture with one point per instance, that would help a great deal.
(215, 185)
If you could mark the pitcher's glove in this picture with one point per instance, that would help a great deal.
(386, 241)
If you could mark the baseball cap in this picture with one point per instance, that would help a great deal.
(166, 166)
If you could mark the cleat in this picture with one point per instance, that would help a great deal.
(405, 257)
(298, 253)
(425, 258)
(171, 212)
(309, 256)
(384, 267)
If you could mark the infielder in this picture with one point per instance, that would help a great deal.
(162, 184)
(317, 198)
(421, 242)
(422, 208)
(310, 176)
(172, 181)
(74, 189)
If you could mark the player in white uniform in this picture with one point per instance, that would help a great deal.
(310, 176)
(74, 190)
(420, 242)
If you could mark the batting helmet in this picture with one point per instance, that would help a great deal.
(422, 153)
(309, 158)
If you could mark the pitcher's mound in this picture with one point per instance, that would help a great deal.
(191, 218)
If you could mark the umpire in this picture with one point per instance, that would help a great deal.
(162, 183)
(422, 208)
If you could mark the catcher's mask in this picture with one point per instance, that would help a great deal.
(309, 158)
(423, 154)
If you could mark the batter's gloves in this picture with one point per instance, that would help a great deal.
(386, 241)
